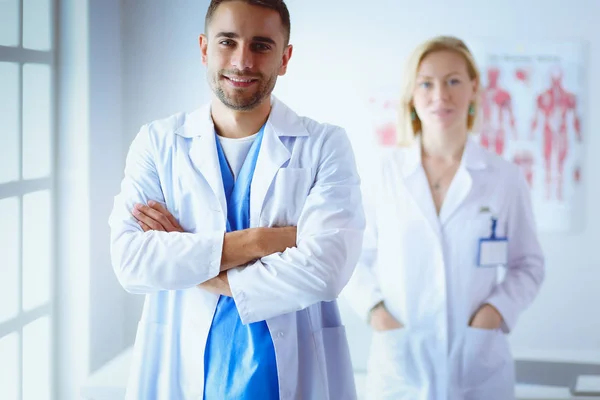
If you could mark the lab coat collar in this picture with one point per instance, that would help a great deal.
(474, 157)
(273, 154)
(282, 121)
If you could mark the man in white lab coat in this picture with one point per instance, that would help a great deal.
(239, 305)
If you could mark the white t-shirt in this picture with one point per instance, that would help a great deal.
(236, 151)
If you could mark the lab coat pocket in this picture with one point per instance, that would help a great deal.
(335, 363)
(391, 367)
(290, 190)
(192, 341)
(145, 378)
(485, 355)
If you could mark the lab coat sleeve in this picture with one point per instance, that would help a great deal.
(146, 262)
(525, 267)
(362, 292)
(329, 238)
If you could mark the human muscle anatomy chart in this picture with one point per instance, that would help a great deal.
(383, 109)
(531, 114)
(497, 114)
(553, 107)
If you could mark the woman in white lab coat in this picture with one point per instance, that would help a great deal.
(450, 257)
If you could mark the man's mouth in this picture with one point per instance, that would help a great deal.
(240, 82)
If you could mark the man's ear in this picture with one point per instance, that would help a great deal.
(203, 42)
(287, 54)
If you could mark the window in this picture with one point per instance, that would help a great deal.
(27, 141)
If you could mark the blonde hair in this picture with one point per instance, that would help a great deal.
(409, 128)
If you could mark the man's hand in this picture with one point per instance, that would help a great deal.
(155, 217)
(218, 285)
(382, 320)
(487, 317)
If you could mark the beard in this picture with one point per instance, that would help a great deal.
(242, 99)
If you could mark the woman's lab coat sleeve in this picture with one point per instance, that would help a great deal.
(525, 268)
(329, 238)
(146, 262)
(362, 291)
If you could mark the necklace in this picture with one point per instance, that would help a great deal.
(437, 183)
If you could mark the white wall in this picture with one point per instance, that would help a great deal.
(89, 301)
(162, 72)
(106, 169)
(343, 48)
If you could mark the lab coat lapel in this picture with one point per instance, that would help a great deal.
(203, 153)
(273, 154)
(474, 158)
(282, 122)
(456, 194)
(418, 187)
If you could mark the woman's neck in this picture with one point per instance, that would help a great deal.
(447, 146)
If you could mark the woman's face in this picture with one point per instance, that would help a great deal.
(443, 91)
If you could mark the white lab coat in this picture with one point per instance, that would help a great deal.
(305, 176)
(425, 269)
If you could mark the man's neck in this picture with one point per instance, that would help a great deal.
(239, 124)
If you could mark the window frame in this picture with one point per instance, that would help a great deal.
(21, 187)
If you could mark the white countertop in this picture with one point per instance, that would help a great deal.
(560, 356)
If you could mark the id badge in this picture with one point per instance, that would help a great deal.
(493, 252)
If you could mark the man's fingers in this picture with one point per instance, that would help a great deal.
(142, 215)
(157, 216)
(144, 220)
(163, 210)
(145, 227)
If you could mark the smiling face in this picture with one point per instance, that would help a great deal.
(443, 91)
(244, 51)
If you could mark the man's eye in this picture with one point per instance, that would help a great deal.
(261, 47)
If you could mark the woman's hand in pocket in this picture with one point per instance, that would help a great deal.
(382, 320)
(487, 317)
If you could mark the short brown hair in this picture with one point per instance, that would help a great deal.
(276, 5)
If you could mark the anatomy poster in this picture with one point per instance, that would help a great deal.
(531, 113)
